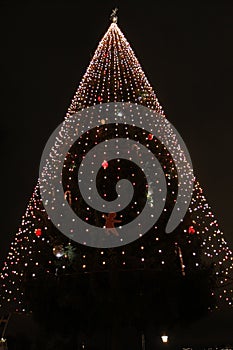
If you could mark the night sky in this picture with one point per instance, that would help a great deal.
(185, 50)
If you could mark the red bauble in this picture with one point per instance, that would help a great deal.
(191, 230)
(105, 164)
(38, 232)
(100, 98)
(150, 137)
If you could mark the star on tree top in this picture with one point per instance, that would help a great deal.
(113, 16)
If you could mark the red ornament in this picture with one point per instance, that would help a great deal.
(105, 164)
(38, 232)
(191, 230)
(150, 137)
(100, 99)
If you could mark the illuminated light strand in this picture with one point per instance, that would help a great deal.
(179, 251)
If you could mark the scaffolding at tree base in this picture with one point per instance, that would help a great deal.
(3, 326)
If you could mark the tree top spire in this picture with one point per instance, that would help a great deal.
(113, 16)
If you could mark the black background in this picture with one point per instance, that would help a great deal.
(185, 50)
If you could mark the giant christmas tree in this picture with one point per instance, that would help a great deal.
(154, 281)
